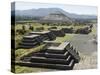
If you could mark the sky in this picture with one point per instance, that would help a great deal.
(77, 9)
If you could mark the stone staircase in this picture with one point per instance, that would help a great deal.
(36, 38)
(62, 57)
(30, 41)
(45, 35)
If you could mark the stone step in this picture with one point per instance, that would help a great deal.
(50, 66)
(71, 47)
(39, 40)
(38, 54)
(28, 40)
(51, 36)
(28, 44)
(59, 56)
(26, 47)
(74, 55)
(50, 60)
(45, 38)
(26, 59)
(58, 32)
(55, 51)
(44, 35)
(60, 49)
(31, 36)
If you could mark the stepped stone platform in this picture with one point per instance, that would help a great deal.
(36, 38)
(67, 30)
(58, 32)
(30, 41)
(61, 56)
(45, 35)
(59, 49)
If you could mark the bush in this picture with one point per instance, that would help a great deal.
(39, 28)
(23, 52)
(20, 31)
(68, 30)
(85, 30)
(31, 28)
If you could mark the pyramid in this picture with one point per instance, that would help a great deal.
(34, 39)
(62, 57)
(56, 17)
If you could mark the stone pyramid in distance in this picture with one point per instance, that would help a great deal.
(57, 16)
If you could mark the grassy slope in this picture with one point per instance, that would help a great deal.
(22, 52)
(20, 69)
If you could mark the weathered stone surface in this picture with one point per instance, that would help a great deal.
(67, 30)
(30, 41)
(74, 55)
(58, 49)
(55, 56)
(51, 60)
(56, 17)
(46, 65)
(58, 32)
(45, 35)
(59, 56)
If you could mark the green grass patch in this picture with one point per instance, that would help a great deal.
(23, 69)
(20, 69)
(67, 37)
(94, 31)
(23, 52)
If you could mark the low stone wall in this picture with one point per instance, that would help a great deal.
(57, 32)
(51, 66)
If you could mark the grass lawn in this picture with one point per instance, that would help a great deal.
(22, 52)
(94, 31)
(67, 37)
(22, 69)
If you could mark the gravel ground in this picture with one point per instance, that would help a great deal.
(84, 43)
(88, 51)
(87, 62)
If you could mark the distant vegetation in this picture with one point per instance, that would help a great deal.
(24, 28)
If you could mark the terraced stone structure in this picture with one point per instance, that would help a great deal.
(67, 30)
(58, 32)
(36, 38)
(61, 56)
(29, 41)
(45, 35)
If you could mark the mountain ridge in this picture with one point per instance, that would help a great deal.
(41, 12)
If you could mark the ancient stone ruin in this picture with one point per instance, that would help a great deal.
(54, 55)
(30, 41)
(45, 35)
(57, 16)
(67, 30)
(36, 38)
(60, 56)
(58, 32)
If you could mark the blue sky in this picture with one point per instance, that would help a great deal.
(77, 9)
